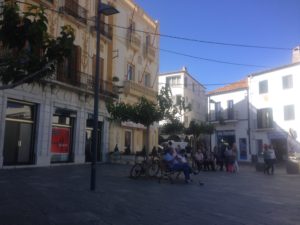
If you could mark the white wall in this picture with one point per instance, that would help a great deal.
(276, 98)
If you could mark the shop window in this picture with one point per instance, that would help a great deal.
(62, 133)
(19, 133)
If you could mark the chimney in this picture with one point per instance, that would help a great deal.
(296, 54)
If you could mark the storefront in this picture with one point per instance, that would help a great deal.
(19, 133)
(62, 135)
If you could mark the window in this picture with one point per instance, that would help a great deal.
(264, 118)
(130, 72)
(173, 81)
(263, 87)
(185, 82)
(230, 112)
(178, 99)
(147, 80)
(287, 82)
(193, 87)
(218, 110)
(67, 70)
(289, 112)
(148, 43)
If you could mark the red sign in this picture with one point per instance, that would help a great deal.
(60, 140)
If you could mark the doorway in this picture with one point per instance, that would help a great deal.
(19, 134)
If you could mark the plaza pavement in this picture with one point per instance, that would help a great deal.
(60, 195)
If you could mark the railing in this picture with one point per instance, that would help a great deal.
(149, 52)
(74, 9)
(133, 39)
(86, 82)
(135, 89)
(224, 116)
(105, 29)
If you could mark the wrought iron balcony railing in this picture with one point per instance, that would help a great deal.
(75, 10)
(86, 82)
(135, 89)
(133, 40)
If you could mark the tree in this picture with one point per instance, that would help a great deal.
(28, 52)
(196, 129)
(172, 127)
(144, 112)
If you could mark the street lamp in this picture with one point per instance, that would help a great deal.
(105, 10)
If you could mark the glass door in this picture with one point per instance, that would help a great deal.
(19, 133)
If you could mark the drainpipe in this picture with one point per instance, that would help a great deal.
(249, 129)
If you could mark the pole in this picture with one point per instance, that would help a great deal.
(96, 103)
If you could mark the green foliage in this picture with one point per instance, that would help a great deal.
(172, 127)
(26, 47)
(196, 129)
(144, 112)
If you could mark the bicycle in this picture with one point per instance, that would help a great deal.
(146, 167)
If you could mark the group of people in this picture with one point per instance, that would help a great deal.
(225, 155)
(177, 161)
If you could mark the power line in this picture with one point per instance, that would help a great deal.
(204, 41)
(182, 38)
(201, 58)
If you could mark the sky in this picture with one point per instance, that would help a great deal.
(267, 23)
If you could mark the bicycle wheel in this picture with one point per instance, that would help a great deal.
(136, 171)
(153, 168)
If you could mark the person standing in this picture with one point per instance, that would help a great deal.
(235, 155)
(272, 159)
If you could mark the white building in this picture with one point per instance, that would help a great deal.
(183, 85)
(275, 108)
(228, 112)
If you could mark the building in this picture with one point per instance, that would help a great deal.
(135, 66)
(51, 123)
(262, 109)
(184, 87)
(228, 112)
(274, 108)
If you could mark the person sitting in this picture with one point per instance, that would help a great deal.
(174, 163)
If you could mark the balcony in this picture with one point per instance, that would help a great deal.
(72, 8)
(105, 29)
(149, 52)
(137, 90)
(133, 40)
(85, 83)
(224, 117)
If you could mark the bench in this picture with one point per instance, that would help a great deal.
(167, 173)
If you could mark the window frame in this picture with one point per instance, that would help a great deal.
(289, 115)
(263, 89)
(287, 82)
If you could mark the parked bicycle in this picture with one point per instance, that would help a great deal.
(145, 167)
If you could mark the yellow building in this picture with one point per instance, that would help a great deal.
(135, 63)
(58, 127)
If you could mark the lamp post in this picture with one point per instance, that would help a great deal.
(105, 10)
